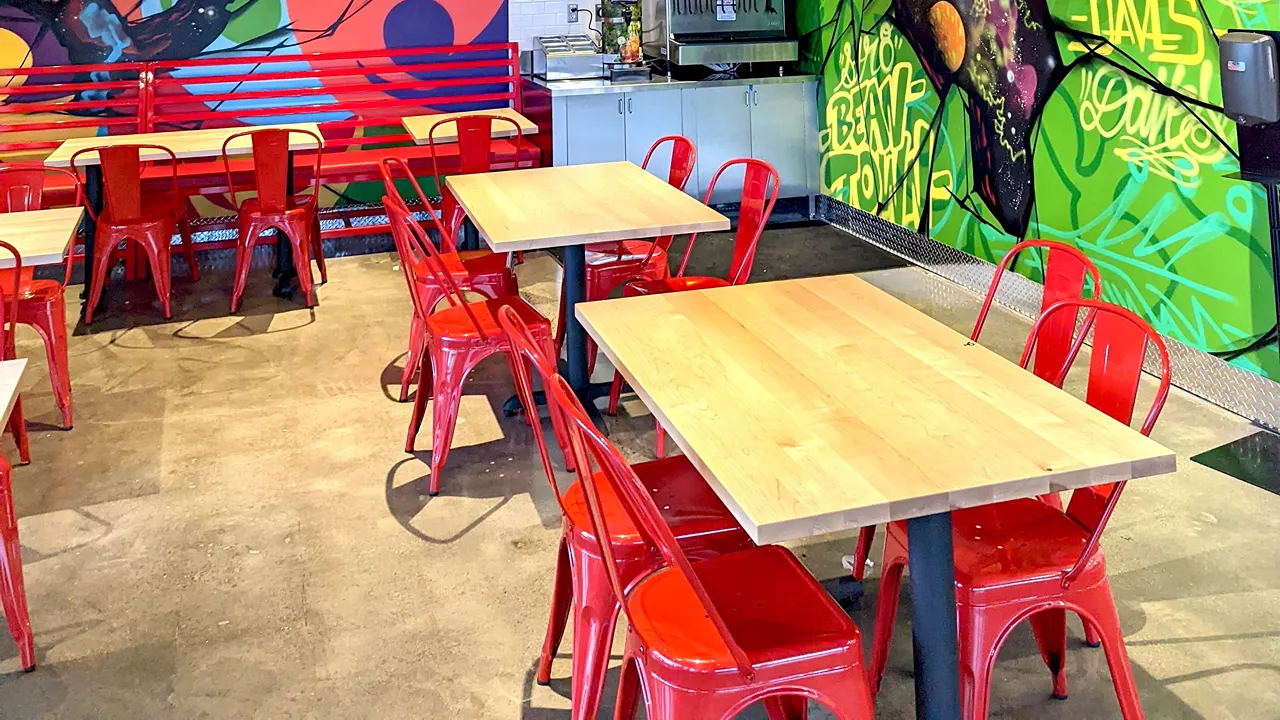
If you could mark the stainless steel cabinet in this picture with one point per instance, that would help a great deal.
(597, 129)
(778, 133)
(651, 115)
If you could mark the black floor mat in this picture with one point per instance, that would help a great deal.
(1254, 459)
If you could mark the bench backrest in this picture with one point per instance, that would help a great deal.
(357, 98)
(42, 106)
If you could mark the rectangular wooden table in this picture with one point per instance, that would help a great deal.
(186, 145)
(820, 405)
(41, 236)
(419, 126)
(10, 376)
(572, 206)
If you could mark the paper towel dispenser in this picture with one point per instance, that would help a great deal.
(1250, 90)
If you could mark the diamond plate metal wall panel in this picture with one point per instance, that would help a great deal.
(1242, 392)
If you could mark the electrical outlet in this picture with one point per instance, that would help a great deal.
(573, 12)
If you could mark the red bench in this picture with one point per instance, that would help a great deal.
(357, 98)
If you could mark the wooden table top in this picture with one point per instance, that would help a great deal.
(419, 126)
(10, 377)
(820, 405)
(577, 204)
(185, 144)
(41, 236)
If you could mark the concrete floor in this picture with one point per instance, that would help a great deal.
(232, 528)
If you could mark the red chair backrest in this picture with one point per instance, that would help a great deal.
(524, 347)
(395, 172)
(591, 449)
(475, 153)
(22, 186)
(760, 185)
(439, 267)
(9, 297)
(1065, 268)
(684, 158)
(122, 176)
(22, 190)
(1120, 341)
(271, 165)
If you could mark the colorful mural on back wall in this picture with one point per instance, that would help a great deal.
(1096, 122)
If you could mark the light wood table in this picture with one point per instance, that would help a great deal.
(41, 236)
(10, 376)
(572, 206)
(419, 126)
(186, 145)
(820, 405)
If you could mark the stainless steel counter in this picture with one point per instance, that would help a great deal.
(561, 88)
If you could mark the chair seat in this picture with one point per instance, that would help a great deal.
(296, 204)
(455, 323)
(674, 284)
(1003, 550)
(39, 291)
(688, 504)
(632, 251)
(773, 608)
(156, 207)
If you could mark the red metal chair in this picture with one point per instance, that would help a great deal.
(1065, 268)
(484, 273)
(41, 304)
(697, 518)
(297, 216)
(706, 639)
(148, 219)
(760, 186)
(17, 426)
(13, 592)
(458, 337)
(612, 264)
(476, 153)
(1026, 559)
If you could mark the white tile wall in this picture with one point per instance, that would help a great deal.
(532, 18)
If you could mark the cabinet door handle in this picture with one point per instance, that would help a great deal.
(755, 97)
(628, 106)
(619, 106)
(746, 98)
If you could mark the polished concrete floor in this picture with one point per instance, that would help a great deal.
(232, 529)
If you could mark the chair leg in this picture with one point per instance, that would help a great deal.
(615, 393)
(862, 551)
(1050, 628)
(98, 276)
(50, 320)
(561, 605)
(560, 325)
(412, 360)
(249, 232)
(660, 444)
(595, 612)
(420, 400)
(628, 701)
(1099, 604)
(1091, 636)
(18, 428)
(450, 370)
(188, 248)
(848, 694)
(787, 707)
(158, 258)
(13, 593)
(302, 263)
(667, 702)
(317, 248)
(886, 616)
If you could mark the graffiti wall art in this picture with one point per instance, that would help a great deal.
(1094, 122)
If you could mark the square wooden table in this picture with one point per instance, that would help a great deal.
(41, 236)
(820, 405)
(572, 206)
(419, 126)
(186, 145)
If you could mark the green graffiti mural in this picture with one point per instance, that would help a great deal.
(1094, 122)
